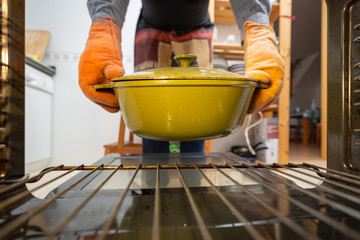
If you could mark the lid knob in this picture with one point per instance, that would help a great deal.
(185, 59)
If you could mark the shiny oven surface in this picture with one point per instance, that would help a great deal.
(211, 196)
(344, 85)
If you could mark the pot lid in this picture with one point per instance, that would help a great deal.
(184, 72)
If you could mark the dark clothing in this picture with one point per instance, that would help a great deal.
(182, 15)
(174, 15)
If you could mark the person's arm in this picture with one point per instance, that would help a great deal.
(101, 59)
(262, 58)
(115, 9)
(257, 11)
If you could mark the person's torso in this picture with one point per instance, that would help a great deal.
(176, 15)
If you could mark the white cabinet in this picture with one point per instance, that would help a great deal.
(39, 87)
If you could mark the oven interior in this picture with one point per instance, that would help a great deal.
(186, 196)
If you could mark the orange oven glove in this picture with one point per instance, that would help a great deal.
(264, 63)
(101, 61)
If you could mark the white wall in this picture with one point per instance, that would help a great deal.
(80, 128)
(306, 41)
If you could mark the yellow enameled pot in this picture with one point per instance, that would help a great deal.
(183, 103)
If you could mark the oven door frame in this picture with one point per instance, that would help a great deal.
(341, 132)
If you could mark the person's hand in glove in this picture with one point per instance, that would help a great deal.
(101, 61)
(264, 63)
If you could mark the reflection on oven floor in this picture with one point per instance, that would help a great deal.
(220, 196)
(169, 179)
(299, 154)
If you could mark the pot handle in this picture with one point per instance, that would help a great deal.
(102, 86)
(185, 59)
(263, 85)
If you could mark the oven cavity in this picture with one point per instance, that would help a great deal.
(218, 196)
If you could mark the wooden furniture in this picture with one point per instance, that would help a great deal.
(208, 146)
(269, 112)
(36, 42)
(309, 126)
(285, 13)
(121, 146)
(221, 12)
(324, 79)
(318, 135)
(305, 130)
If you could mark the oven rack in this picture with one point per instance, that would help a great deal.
(335, 202)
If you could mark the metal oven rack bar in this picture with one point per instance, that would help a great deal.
(348, 189)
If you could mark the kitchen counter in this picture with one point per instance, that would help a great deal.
(40, 66)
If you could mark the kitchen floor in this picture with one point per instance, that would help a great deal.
(310, 154)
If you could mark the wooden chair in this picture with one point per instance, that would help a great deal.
(135, 148)
(208, 146)
(121, 146)
(269, 111)
(318, 135)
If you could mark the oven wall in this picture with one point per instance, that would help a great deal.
(343, 115)
(12, 88)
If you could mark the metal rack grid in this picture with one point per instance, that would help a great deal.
(338, 191)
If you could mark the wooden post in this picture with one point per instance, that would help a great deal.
(305, 132)
(323, 80)
(284, 99)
